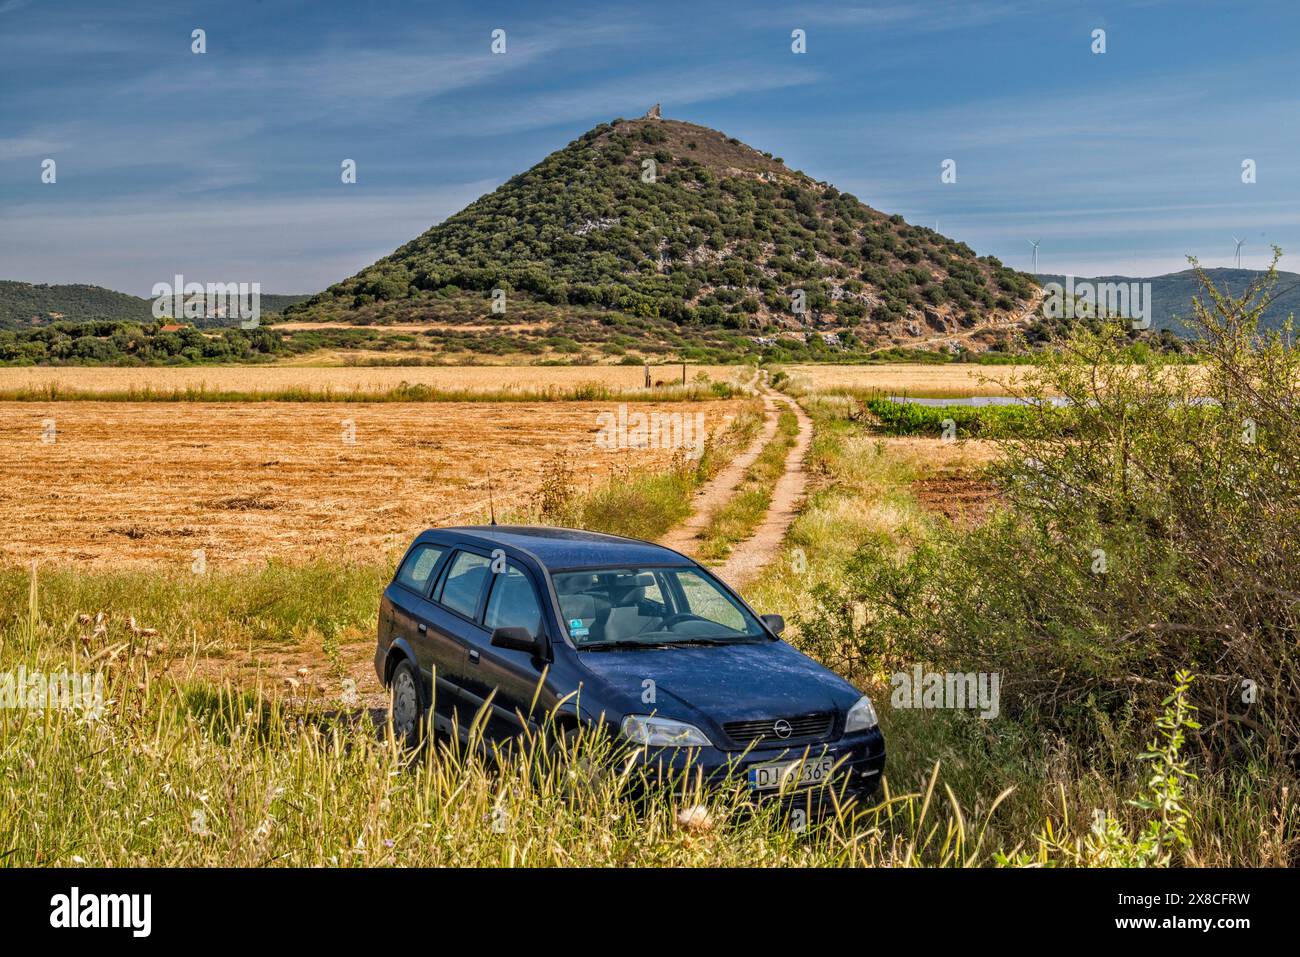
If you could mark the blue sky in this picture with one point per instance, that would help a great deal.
(225, 166)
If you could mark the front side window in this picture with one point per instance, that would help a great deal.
(463, 585)
(513, 603)
(417, 568)
(621, 607)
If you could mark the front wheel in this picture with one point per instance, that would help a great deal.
(407, 704)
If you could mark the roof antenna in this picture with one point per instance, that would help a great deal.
(492, 511)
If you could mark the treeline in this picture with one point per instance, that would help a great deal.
(24, 303)
(130, 343)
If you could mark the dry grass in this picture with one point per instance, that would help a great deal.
(524, 380)
(938, 381)
(141, 483)
(925, 455)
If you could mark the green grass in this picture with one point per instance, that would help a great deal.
(178, 772)
(177, 775)
(739, 516)
(965, 421)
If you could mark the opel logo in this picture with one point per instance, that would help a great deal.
(782, 728)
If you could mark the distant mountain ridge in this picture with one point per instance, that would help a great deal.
(1171, 294)
(656, 226)
(26, 305)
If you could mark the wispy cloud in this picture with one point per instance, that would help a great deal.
(22, 147)
(289, 245)
(900, 17)
(631, 96)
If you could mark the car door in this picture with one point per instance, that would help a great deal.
(511, 677)
(412, 617)
(453, 626)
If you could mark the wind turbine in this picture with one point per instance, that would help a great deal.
(1034, 243)
(1240, 243)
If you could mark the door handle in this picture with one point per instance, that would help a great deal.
(423, 628)
(473, 656)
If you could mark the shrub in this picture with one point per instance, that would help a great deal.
(1160, 532)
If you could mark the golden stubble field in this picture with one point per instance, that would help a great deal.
(914, 379)
(523, 380)
(152, 482)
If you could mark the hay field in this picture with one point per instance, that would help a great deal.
(150, 482)
(914, 379)
(523, 380)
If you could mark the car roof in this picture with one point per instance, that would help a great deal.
(557, 548)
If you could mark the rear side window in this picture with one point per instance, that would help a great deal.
(513, 603)
(463, 584)
(417, 568)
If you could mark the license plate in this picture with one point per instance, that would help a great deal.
(787, 774)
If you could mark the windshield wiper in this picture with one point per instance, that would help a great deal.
(624, 643)
(682, 643)
(697, 642)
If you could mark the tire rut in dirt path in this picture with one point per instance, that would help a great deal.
(749, 557)
(718, 490)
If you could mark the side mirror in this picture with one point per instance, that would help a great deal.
(775, 623)
(518, 639)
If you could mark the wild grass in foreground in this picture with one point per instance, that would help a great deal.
(170, 773)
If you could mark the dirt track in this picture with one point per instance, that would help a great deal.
(716, 492)
(748, 557)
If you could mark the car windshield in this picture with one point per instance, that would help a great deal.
(627, 607)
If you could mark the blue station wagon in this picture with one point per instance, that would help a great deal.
(658, 650)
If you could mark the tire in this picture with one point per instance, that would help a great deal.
(407, 704)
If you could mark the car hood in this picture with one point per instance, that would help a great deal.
(718, 683)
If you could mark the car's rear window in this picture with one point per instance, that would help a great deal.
(417, 568)
(463, 585)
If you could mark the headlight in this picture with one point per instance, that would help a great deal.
(663, 732)
(862, 716)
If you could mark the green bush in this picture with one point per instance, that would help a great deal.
(1160, 531)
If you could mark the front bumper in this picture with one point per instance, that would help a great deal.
(859, 762)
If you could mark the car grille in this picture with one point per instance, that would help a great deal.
(805, 727)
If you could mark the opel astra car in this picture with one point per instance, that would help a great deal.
(659, 652)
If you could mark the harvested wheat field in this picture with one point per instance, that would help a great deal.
(914, 379)
(340, 381)
(149, 482)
